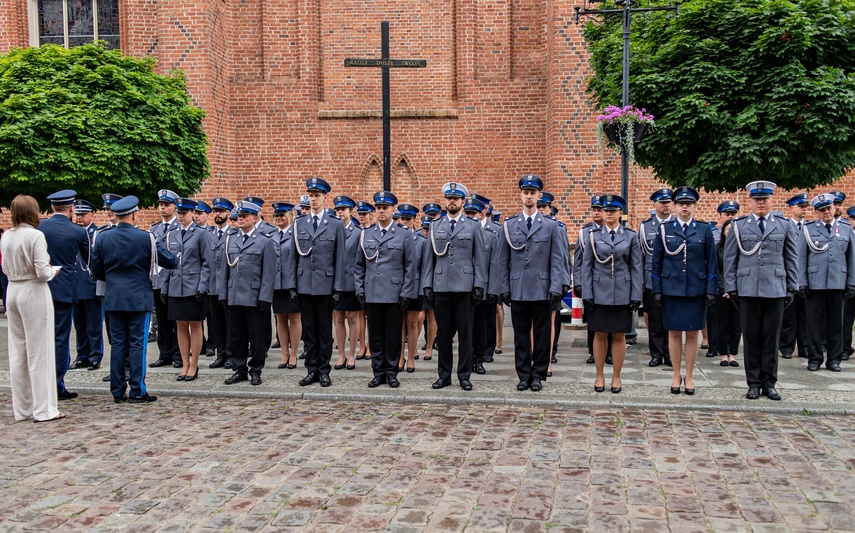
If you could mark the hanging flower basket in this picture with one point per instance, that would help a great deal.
(623, 128)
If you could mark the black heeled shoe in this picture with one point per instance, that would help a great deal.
(616, 390)
(601, 388)
(193, 377)
(688, 391)
(351, 367)
(549, 374)
(338, 367)
(291, 366)
(676, 390)
(180, 377)
(411, 369)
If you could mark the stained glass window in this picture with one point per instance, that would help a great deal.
(75, 22)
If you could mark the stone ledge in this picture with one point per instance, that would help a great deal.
(376, 113)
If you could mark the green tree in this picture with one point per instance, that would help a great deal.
(755, 89)
(93, 120)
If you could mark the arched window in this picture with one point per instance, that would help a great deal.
(74, 22)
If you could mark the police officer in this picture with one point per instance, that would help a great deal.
(414, 310)
(827, 278)
(316, 279)
(348, 313)
(88, 324)
(727, 329)
(492, 293)
(455, 280)
(839, 198)
(648, 231)
(385, 282)
(167, 333)
(473, 208)
(531, 275)
(544, 205)
(66, 242)
(218, 316)
(123, 257)
(761, 278)
(201, 213)
(288, 325)
(581, 242)
(101, 287)
(305, 204)
(432, 209)
(794, 327)
(246, 283)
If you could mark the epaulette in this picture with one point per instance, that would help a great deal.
(105, 226)
(782, 217)
(472, 218)
(333, 216)
(627, 228)
(588, 225)
(702, 222)
(371, 226)
(844, 221)
(300, 216)
(560, 224)
(648, 219)
(419, 234)
(741, 218)
(511, 217)
(403, 226)
(157, 224)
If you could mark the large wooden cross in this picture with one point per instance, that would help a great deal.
(385, 63)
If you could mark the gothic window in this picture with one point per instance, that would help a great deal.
(75, 22)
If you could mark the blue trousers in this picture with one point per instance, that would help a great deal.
(62, 316)
(89, 326)
(129, 331)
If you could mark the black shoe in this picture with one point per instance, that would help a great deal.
(549, 373)
(338, 367)
(106, 379)
(177, 364)
(498, 352)
(813, 366)
(522, 385)
(488, 358)
(733, 363)
(590, 360)
(80, 365)
(771, 393)
(616, 390)
(394, 383)
(282, 365)
(441, 383)
(845, 357)
(228, 365)
(689, 392)
(465, 384)
(67, 395)
(753, 393)
(479, 369)
(667, 362)
(631, 342)
(120, 399)
(291, 366)
(786, 356)
(554, 359)
(180, 377)
(834, 367)
(275, 345)
(159, 363)
(609, 359)
(676, 390)
(219, 362)
(311, 377)
(411, 369)
(255, 378)
(599, 388)
(353, 367)
(376, 382)
(325, 380)
(536, 385)
(94, 366)
(210, 352)
(237, 377)
(188, 377)
(705, 346)
(145, 398)
(712, 354)
(302, 356)
(654, 362)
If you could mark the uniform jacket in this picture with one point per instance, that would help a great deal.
(286, 252)
(86, 285)
(691, 273)
(193, 274)
(351, 245)
(648, 231)
(217, 241)
(832, 269)
(322, 269)
(491, 248)
(565, 252)
(419, 251)
(266, 228)
(457, 261)
(581, 242)
(122, 259)
(100, 286)
(531, 262)
(65, 241)
(604, 285)
(250, 269)
(161, 230)
(385, 267)
(772, 270)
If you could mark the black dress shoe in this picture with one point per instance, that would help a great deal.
(549, 373)
(667, 362)
(479, 369)
(498, 352)
(394, 383)
(338, 367)
(599, 388)
(120, 399)
(350, 367)
(67, 395)
(712, 354)
(302, 355)
(282, 365)
(834, 367)
(616, 390)
(753, 393)
(676, 390)
(609, 359)
(188, 377)
(311, 377)
(440, 383)
(219, 362)
(291, 366)
(411, 369)
(813, 367)
(654, 362)
(145, 398)
(94, 366)
(228, 365)
(275, 345)
(733, 363)
(237, 377)
(106, 379)
(845, 357)
(376, 382)
(590, 360)
(554, 359)
(488, 358)
(786, 356)
(465, 384)
(771, 393)
(536, 385)
(255, 378)
(159, 363)
(80, 365)
(177, 364)
(180, 377)
(210, 352)
(705, 346)
(522, 385)
(325, 380)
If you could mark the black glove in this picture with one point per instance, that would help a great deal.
(492, 299)
(201, 296)
(657, 299)
(710, 300)
(336, 298)
(505, 298)
(734, 298)
(429, 295)
(634, 305)
(564, 290)
(554, 298)
(850, 291)
(803, 292)
(477, 295)
(224, 304)
(589, 304)
(263, 306)
(292, 295)
(164, 297)
(577, 291)
(403, 303)
(788, 299)
(361, 299)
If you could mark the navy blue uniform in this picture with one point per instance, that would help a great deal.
(88, 314)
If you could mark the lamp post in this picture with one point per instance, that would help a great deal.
(625, 8)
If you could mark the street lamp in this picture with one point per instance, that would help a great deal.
(625, 8)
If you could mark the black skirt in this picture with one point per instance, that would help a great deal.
(348, 302)
(415, 305)
(684, 313)
(426, 306)
(186, 308)
(610, 319)
(282, 304)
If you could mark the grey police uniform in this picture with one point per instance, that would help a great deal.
(167, 332)
(218, 320)
(826, 270)
(193, 275)
(351, 247)
(281, 303)
(647, 233)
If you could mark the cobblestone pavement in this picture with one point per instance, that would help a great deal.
(192, 464)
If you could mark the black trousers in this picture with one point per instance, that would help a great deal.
(761, 330)
(384, 338)
(794, 328)
(729, 327)
(712, 328)
(657, 333)
(62, 319)
(247, 331)
(317, 331)
(167, 331)
(848, 322)
(128, 350)
(453, 312)
(218, 327)
(480, 333)
(557, 324)
(531, 361)
(830, 304)
(89, 328)
(492, 310)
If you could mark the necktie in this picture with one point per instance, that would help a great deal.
(219, 234)
(762, 224)
(315, 222)
(382, 233)
(612, 234)
(183, 233)
(828, 228)
(528, 222)
(453, 223)
(245, 237)
(685, 227)
(799, 224)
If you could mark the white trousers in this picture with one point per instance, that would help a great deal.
(32, 363)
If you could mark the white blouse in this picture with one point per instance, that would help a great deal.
(25, 255)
